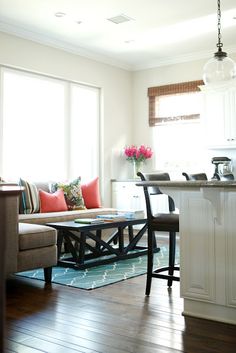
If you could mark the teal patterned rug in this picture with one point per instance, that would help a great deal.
(99, 276)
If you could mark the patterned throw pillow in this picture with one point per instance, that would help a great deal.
(29, 202)
(72, 192)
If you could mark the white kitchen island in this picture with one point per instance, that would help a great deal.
(207, 246)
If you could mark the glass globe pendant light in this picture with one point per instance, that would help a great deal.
(220, 68)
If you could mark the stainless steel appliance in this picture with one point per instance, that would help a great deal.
(223, 168)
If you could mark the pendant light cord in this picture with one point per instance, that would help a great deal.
(219, 44)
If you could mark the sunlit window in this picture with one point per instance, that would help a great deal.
(178, 147)
(49, 128)
(178, 133)
(175, 118)
(84, 136)
(182, 106)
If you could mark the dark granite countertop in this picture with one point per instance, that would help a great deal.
(190, 183)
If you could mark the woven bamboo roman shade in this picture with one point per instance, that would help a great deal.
(172, 89)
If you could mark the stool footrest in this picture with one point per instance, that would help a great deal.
(167, 268)
(173, 278)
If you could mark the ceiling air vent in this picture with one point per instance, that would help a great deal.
(120, 19)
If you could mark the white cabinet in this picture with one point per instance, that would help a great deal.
(230, 116)
(219, 116)
(126, 195)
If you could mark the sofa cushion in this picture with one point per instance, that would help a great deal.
(54, 202)
(32, 236)
(43, 185)
(72, 192)
(91, 194)
(43, 218)
(29, 201)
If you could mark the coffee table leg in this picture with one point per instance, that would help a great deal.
(121, 239)
(59, 243)
(131, 233)
(82, 248)
(99, 235)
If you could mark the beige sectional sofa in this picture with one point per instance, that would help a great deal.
(43, 218)
(31, 243)
(27, 246)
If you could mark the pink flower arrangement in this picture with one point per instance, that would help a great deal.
(137, 154)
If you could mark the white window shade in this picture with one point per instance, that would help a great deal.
(33, 127)
(177, 133)
(84, 132)
(49, 128)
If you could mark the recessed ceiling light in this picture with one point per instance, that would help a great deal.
(120, 19)
(60, 14)
(129, 41)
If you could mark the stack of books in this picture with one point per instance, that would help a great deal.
(88, 220)
(111, 217)
(132, 214)
(122, 215)
(117, 217)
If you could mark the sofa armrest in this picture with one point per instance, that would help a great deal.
(11, 206)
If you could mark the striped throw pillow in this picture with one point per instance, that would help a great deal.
(29, 202)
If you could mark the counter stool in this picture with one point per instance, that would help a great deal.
(197, 176)
(161, 222)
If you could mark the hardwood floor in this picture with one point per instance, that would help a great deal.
(113, 319)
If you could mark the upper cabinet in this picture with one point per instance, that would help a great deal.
(219, 115)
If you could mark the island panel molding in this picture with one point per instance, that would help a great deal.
(197, 247)
(207, 246)
(230, 226)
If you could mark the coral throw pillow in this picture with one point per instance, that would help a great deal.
(91, 194)
(52, 202)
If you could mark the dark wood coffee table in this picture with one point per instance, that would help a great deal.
(80, 254)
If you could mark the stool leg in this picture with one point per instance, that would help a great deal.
(151, 237)
(172, 242)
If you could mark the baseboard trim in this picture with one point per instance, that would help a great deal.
(209, 311)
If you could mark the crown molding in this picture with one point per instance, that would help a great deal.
(58, 44)
(203, 55)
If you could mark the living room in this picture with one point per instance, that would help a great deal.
(124, 113)
(123, 121)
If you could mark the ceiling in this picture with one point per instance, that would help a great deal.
(159, 32)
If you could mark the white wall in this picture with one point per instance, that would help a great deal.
(124, 96)
(116, 88)
(143, 79)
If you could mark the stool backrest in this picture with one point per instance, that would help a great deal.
(154, 190)
(197, 176)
